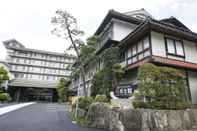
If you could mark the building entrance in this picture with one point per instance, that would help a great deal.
(35, 94)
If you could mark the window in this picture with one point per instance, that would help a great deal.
(146, 53)
(140, 47)
(175, 47)
(43, 77)
(179, 48)
(129, 53)
(16, 67)
(30, 54)
(134, 50)
(138, 51)
(17, 60)
(146, 42)
(171, 46)
(16, 75)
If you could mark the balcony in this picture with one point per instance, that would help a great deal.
(106, 35)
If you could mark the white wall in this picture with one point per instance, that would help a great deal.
(193, 86)
(158, 44)
(190, 51)
(159, 49)
(121, 29)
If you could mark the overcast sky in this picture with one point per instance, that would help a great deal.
(28, 21)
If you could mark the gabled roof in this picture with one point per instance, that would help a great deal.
(14, 41)
(23, 48)
(175, 22)
(158, 26)
(120, 16)
(139, 14)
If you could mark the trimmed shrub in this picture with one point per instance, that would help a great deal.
(101, 98)
(85, 102)
(163, 88)
(4, 97)
(140, 104)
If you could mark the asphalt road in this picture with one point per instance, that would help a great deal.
(39, 117)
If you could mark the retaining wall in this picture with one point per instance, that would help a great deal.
(101, 115)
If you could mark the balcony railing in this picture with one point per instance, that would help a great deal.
(106, 35)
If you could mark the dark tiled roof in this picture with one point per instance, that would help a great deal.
(159, 26)
(173, 62)
(114, 14)
(23, 48)
(175, 22)
(164, 61)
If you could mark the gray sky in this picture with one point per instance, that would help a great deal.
(28, 21)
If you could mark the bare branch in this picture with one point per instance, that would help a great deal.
(66, 27)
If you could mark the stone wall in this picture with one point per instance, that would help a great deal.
(101, 115)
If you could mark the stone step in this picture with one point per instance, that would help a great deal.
(122, 103)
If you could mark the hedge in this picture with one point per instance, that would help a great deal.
(4, 97)
(101, 98)
(85, 102)
(164, 87)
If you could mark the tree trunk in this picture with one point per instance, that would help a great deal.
(84, 81)
(78, 56)
(115, 82)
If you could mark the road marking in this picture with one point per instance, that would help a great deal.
(7, 109)
(51, 107)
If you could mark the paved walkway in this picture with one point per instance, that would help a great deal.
(5, 104)
(39, 117)
(6, 109)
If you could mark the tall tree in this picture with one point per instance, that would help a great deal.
(61, 90)
(67, 28)
(3, 75)
(87, 50)
(113, 70)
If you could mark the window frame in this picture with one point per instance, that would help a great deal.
(138, 53)
(175, 47)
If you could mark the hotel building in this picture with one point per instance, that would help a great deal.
(36, 72)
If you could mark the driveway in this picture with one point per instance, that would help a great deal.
(40, 117)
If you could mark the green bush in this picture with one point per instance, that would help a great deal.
(164, 87)
(4, 97)
(161, 105)
(85, 102)
(140, 104)
(101, 98)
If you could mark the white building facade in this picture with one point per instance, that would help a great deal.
(36, 68)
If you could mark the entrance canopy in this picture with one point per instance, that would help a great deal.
(33, 83)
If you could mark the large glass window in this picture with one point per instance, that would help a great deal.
(175, 47)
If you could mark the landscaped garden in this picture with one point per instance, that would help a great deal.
(160, 90)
